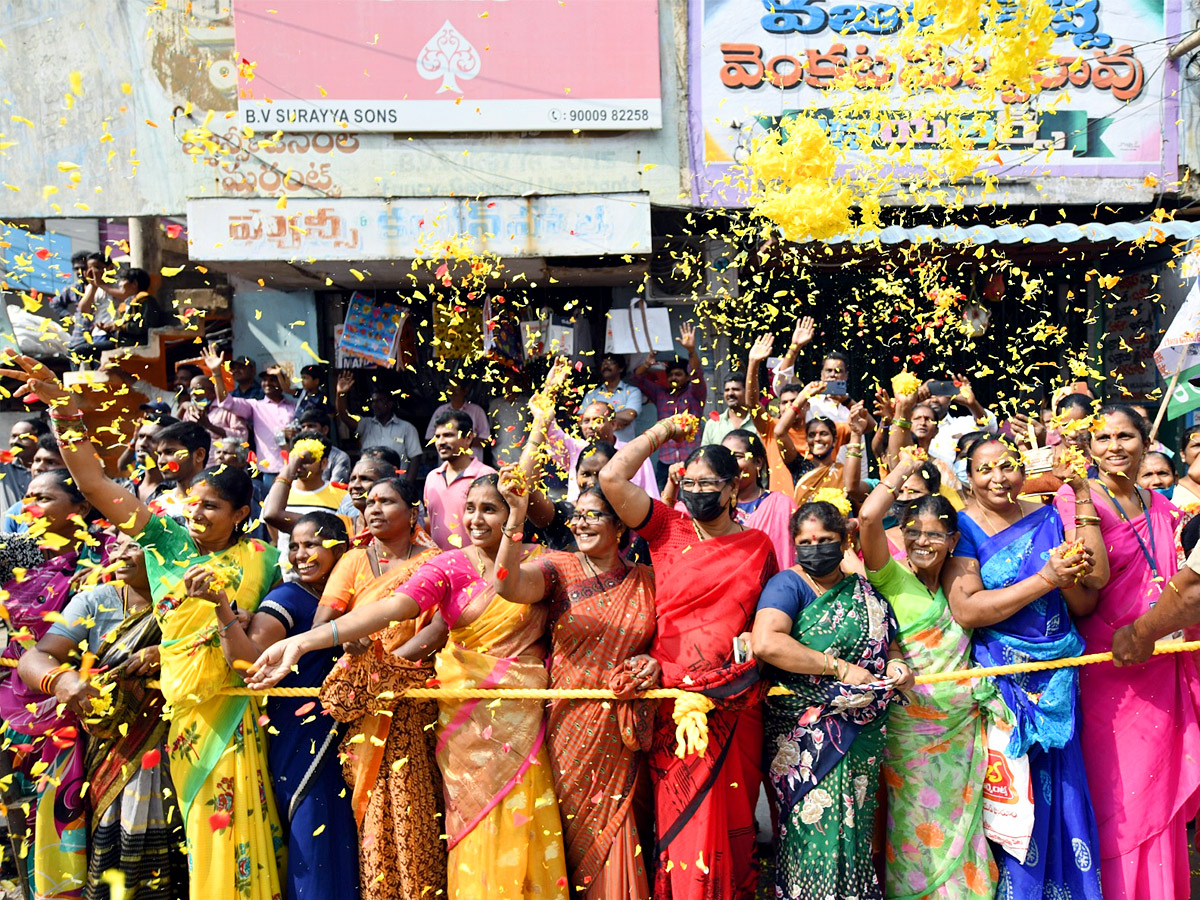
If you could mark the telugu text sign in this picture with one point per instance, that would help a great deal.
(362, 229)
(448, 65)
(1112, 92)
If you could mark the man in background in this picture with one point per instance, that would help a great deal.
(624, 398)
(446, 486)
(382, 428)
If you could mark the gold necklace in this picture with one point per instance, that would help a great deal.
(988, 518)
(480, 563)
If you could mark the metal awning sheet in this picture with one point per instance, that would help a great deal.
(1031, 233)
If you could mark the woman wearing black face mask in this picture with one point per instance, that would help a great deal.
(709, 572)
(830, 640)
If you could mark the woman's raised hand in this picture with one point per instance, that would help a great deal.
(274, 664)
(514, 488)
(40, 381)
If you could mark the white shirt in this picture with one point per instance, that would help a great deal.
(944, 445)
(397, 435)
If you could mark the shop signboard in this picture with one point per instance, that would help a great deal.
(1108, 105)
(412, 228)
(448, 65)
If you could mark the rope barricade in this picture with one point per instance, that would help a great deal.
(675, 693)
(691, 707)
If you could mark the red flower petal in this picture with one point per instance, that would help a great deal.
(151, 758)
(42, 253)
(501, 572)
(218, 821)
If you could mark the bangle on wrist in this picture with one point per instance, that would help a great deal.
(511, 531)
(894, 491)
(1040, 574)
(46, 684)
(229, 624)
(901, 423)
(333, 628)
(68, 417)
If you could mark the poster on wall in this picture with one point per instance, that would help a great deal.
(432, 65)
(1107, 106)
(371, 331)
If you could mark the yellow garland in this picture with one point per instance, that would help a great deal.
(691, 720)
(313, 448)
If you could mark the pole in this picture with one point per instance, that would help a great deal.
(1166, 400)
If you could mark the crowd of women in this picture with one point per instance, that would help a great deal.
(799, 630)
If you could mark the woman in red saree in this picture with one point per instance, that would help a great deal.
(601, 624)
(709, 572)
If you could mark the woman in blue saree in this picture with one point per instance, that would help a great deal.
(310, 792)
(1010, 581)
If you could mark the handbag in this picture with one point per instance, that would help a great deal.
(1007, 794)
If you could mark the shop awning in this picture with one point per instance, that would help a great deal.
(1097, 232)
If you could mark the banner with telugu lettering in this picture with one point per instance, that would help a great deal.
(1107, 106)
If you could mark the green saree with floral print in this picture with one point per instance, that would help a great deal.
(216, 746)
(824, 746)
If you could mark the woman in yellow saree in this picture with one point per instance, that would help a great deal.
(502, 822)
(215, 744)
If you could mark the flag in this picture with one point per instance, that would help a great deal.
(1180, 347)
(1186, 396)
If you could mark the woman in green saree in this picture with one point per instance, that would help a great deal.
(936, 756)
(215, 744)
(829, 640)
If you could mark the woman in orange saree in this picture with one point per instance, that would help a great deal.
(502, 823)
(602, 623)
(709, 572)
(400, 849)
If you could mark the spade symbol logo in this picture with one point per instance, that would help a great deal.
(448, 56)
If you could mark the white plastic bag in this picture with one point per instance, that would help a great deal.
(1007, 794)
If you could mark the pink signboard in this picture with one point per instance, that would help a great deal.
(448, 65)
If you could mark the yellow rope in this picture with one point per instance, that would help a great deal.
(478, 693)
(1040, 665)
(673, 694)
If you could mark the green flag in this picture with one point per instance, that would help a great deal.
(1186, 397)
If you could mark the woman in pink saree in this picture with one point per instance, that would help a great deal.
(763, 510)
(1141, 724)
(502, 823)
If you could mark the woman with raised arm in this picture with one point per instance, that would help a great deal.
(935, 760)
(601, 625)
(1142, 722)
(759, 508)
(216, 746)
(309, 790)
(819, 468)
(709, 571)
(1015, 581)
(388, 753)
(38, 571)
(134, 824)
(829, 641)
(502, 822)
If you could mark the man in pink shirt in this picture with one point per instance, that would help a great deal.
(446, 486)
(268, 416)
